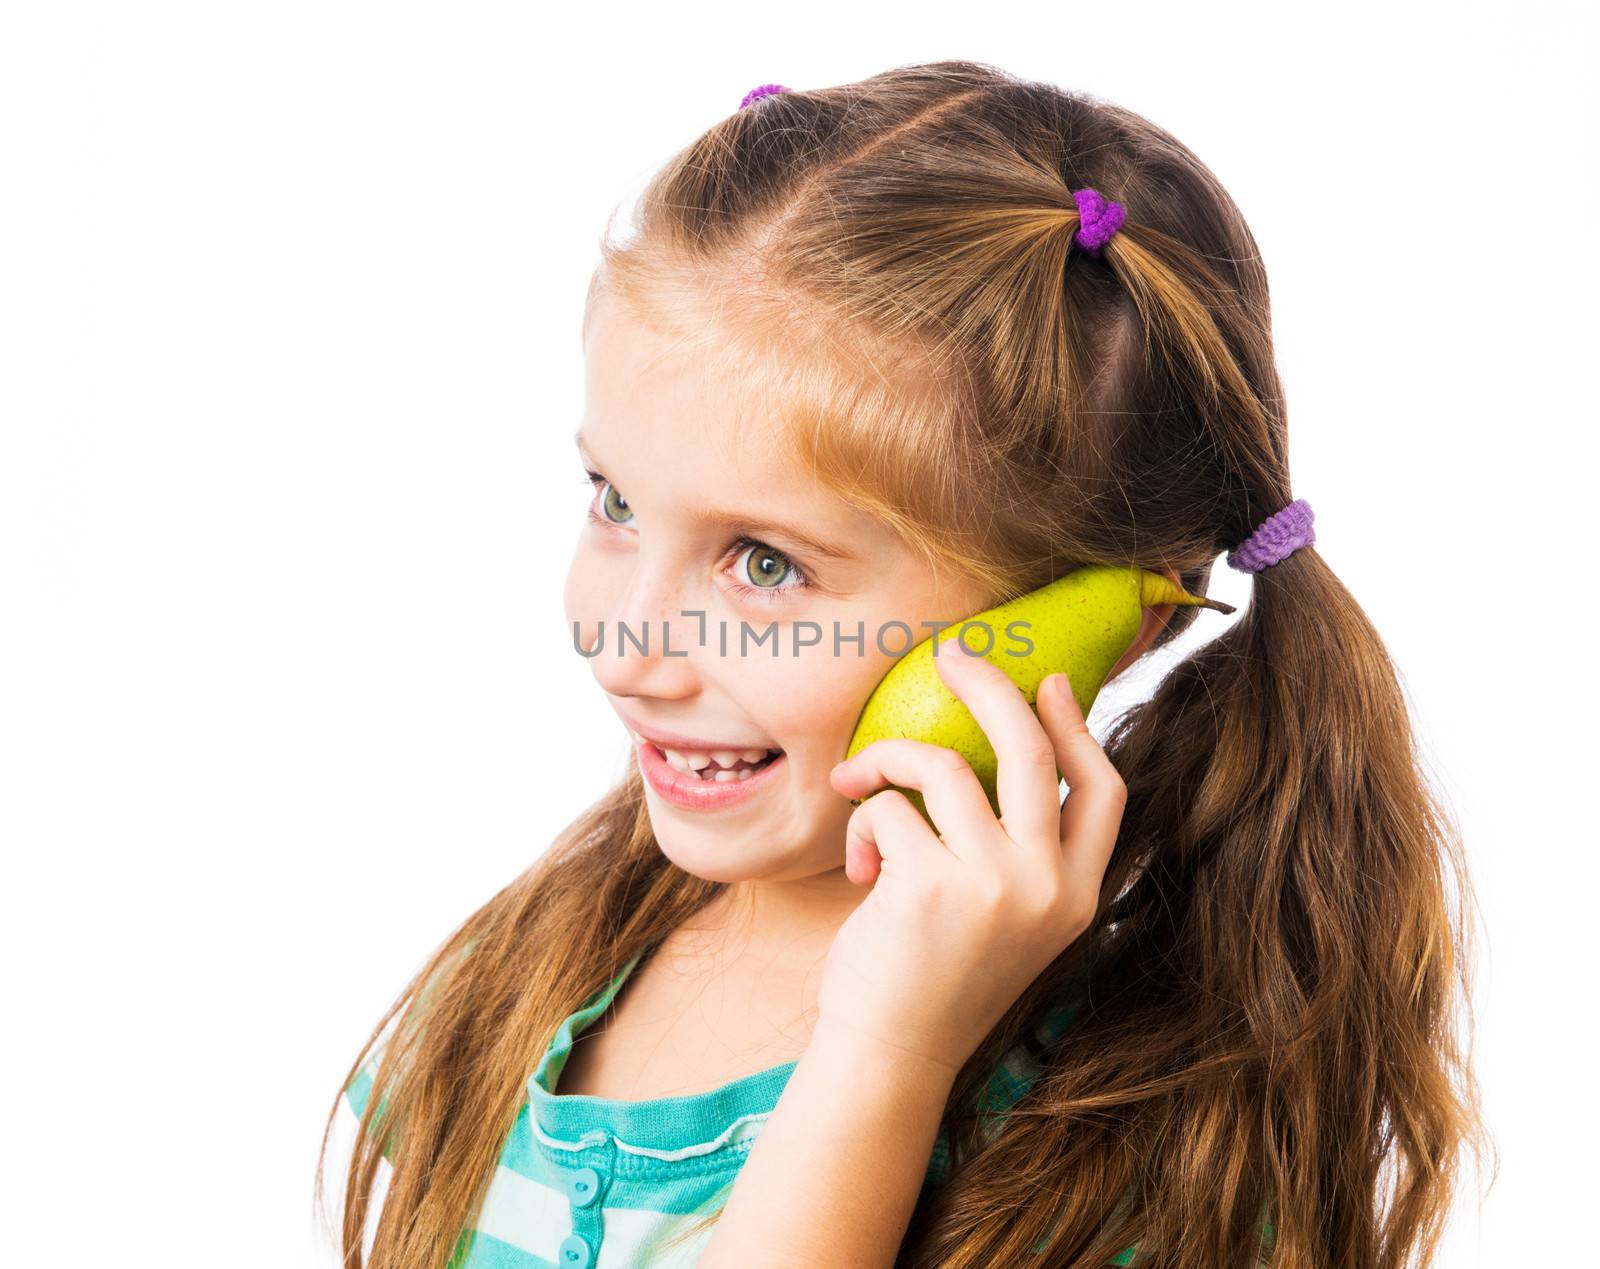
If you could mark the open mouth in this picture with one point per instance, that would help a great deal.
(721, 766)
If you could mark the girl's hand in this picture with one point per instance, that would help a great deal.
(960, 922)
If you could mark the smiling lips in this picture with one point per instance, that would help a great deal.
(700, 774)
(691, 754)
(721, 765)
(697, 781)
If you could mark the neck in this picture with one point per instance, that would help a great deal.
(776, 924)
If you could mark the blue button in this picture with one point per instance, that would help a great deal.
(573, 1253)
(583, 1186)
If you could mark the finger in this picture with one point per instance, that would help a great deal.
(1027, 786)
(886, 827)
(950, 788)
(1092, 813)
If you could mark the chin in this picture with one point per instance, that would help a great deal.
(729, 853)
(714, 855)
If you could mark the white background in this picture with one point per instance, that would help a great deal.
(290, 364)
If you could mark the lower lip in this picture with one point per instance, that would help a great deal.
(694, 794)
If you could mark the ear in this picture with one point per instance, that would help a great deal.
(1154, 620)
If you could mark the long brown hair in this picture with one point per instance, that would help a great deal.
(1271, 991)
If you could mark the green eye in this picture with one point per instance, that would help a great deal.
(766, 567)
(615, 505)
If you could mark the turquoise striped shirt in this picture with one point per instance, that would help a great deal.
(591, 1181)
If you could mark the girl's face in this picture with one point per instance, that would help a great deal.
(734, 574)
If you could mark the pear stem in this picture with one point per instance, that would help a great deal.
(1156, 588)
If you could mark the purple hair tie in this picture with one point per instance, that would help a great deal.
(1098, 219)
(1280, 535)
(756, 94)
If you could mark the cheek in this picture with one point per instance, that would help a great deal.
(817, 698)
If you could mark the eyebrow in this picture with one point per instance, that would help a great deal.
(720, 518)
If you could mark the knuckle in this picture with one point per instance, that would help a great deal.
(881, 806)
(989, 892)
(1055, 902)
(1044, 900)
(902, 808)
(1038, 751)
(955, 764)
(1113, 785)
(1078, 915)
(934, 890)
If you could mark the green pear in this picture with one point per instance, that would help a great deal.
(1080, 624)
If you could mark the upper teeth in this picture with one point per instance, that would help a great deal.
(689, 760)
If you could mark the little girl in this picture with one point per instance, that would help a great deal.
(879, 357)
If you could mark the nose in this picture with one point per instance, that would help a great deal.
(648, 645)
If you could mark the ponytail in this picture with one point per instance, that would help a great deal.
(1282, 923)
